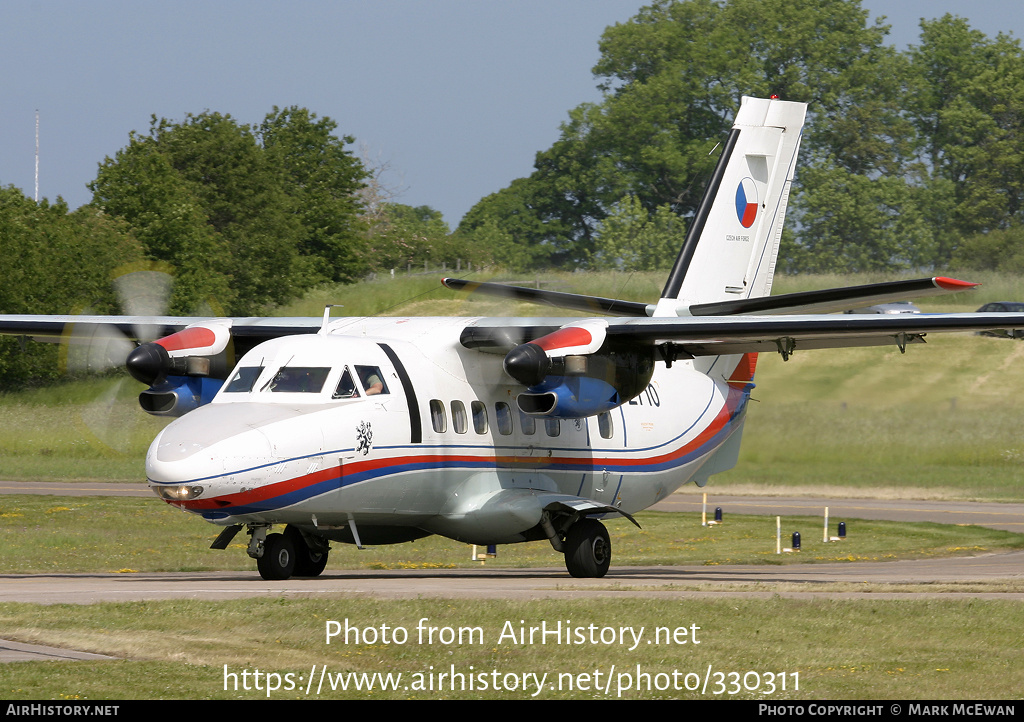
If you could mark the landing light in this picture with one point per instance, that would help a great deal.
(181, 492)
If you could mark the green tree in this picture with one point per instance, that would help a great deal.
(857, 223)
(408, 235)
(998, 250)
(631, 239)
(169, 218)
(966, 101)
(54, 262)
(248, 219)
(323, 179)
(507, 229)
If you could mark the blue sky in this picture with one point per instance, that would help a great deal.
(455, 96)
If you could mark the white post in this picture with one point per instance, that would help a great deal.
(704, 511)
(778, 535)
(826, 526)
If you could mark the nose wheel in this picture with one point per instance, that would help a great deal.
(278, 559)
(588, 549)
(288, 554)
(310, 557)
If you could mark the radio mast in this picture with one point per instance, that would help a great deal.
(37, 155)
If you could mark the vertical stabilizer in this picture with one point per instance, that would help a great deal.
(733, 241)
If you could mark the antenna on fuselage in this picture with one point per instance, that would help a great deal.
(327, 317)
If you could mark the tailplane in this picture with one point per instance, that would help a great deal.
(731, 246)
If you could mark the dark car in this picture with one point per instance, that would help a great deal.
(1002, 307)
(888, 308)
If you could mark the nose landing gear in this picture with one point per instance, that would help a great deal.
(278, 559)
(293, 553)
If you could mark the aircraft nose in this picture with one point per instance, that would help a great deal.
(204, 447)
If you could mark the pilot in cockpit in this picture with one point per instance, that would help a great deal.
(372, 382)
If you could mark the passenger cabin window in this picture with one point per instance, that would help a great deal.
(437, 416)
(527, 423)
(372, 380)
(479, 417)
(504, 417)
(553, 427)
(604, 425)
(346, 387)
(459, 419)
(243, 380)
(299, 380)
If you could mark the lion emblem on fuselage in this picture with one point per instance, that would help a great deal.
(364, 437)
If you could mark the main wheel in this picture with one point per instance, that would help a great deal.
(588, 549)
(308, 563)
(278, 560)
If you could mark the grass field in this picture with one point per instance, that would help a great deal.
(126, 535)
(931, 649)
(940, 421)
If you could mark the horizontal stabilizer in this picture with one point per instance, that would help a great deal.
(834, 299)
(576, 302)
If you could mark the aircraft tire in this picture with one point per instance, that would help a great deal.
(588, 549)
(308, 563)
(278, 560)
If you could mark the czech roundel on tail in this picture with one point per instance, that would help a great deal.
(497, 430)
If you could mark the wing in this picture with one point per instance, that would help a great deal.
(715, 336)
(182, 360)
(720, 336)
(140, 328)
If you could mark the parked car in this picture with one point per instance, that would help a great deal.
(1002, 307)
(895, 307)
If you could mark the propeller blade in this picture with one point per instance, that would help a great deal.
(144, 293)
(95, 349)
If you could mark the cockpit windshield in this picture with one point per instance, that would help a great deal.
(298, 379)
(243, 380)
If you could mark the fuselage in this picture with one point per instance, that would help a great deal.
(392, 425)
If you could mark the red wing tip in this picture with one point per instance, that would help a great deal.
(952, 284)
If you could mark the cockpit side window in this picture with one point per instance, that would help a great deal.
(372, 380)
(299, 379)
(243, 380)
(346, 387)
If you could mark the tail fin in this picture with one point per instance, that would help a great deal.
(731, 246)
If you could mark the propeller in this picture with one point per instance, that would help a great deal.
(109, 418)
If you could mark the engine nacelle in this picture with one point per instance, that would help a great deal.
(577, 386)
(177, 395)
(184, 370)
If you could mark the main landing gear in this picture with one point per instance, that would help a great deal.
(290, 554)
(587, 549)
(586, 546)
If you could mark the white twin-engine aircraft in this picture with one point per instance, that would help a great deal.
(498, 430)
